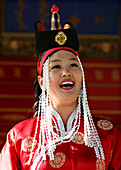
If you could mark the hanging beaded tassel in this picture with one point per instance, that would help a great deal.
(36, 129)
(46, 129)
(91, 137)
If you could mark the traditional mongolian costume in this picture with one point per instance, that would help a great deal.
(42, 142)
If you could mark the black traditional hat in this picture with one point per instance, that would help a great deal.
(55, 39)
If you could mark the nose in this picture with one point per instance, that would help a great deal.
(66, 72)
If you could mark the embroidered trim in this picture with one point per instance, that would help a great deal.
(70, 120)
(59, 160)
(105, 124)
(60, 122)
(79, 138)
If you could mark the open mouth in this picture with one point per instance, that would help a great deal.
(67, 84)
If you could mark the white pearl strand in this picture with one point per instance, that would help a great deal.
(49, 130)
(91, 136)
(36, 129)
(46, 117)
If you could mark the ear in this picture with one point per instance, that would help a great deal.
(40, 81)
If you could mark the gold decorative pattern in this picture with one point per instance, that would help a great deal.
(61, 38)
(105, 124)
(59, 160)
(27, 144)
(100, 164)
(79, 138)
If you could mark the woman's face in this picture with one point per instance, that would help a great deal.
(65, 77)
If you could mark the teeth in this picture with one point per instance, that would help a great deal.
(67, 83)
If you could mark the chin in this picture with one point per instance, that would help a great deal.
(67, 99)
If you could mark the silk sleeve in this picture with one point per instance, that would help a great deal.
(115, 157)
(8, 156)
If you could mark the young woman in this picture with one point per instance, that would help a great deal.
(63, 134)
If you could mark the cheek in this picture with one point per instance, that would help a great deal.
(78, 75)
(79, 80)
(53, 79)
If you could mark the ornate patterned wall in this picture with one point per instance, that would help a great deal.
(97, 23)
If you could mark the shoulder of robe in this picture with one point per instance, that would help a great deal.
(23, 130)
(24, 126)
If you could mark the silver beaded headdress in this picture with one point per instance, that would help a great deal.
(48, 138)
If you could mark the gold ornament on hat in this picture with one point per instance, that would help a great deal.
(61, 38)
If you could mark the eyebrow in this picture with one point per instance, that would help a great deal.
(73, 59)
(55, 61)
(61, 60)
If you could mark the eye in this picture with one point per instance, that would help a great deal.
(74, 65)
(56, 67)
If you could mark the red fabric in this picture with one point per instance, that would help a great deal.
(72, 155)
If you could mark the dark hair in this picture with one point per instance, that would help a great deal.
(38, 91)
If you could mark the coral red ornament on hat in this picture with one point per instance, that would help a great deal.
(54, 8)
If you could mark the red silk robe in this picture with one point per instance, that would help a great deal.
(73, 155)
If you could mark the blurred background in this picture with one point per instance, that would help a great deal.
(98, 23)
